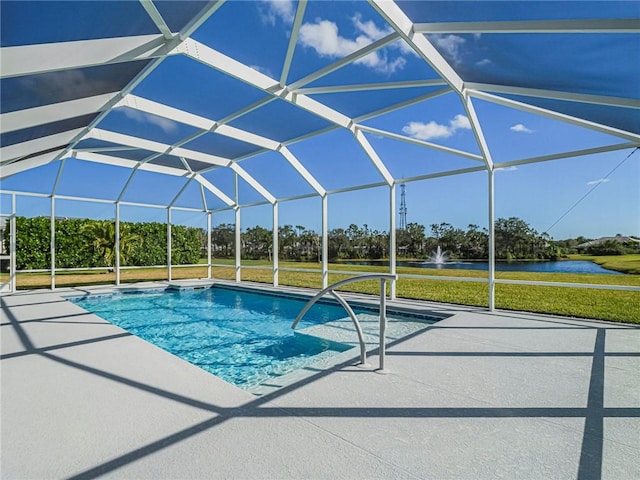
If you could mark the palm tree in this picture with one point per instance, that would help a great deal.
(104, 240)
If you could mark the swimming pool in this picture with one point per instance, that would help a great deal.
(241, 336)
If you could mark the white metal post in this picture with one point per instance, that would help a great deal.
(392, 238)
(325, 241)
(492, 242)
(53, 242)
(169, 243)
(275, 245)
(117, 243)
(208, 244)
(12, 245)
(238, 245)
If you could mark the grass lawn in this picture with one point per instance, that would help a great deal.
(614, 305)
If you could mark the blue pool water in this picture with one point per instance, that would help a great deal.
(242, 337)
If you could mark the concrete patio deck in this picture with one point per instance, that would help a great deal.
(478, 395)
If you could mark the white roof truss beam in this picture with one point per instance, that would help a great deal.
(554, 115)
(352, 57)
(556, 95)
(50, 57)
(422, 143)
(406, 103)
(161, 110)
(373, 155)
(184, 187)
(157, 147)
(399, 21)
(32, 117)
(293, 39)
(605, 25)
(253, 182)
(476, 127)
(132, 164)
(559, 156)
(365, 87)
(228, 65)
(215, 190)
(304, 173)
(27, 164)
(19, 150)
(156, 17)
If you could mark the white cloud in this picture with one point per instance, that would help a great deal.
(165, 124)
(449, 45)
(432, 130)
(595, 182)
(507, 169)
(519, 127)
(271, 10)
(323, 36)
(484, 62)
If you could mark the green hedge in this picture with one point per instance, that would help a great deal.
(75, 244)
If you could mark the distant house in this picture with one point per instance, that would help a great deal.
(618, 238)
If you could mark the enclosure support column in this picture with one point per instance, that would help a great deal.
(117, 243)
(238, 245)
(208, 244)
(392, 239)
(325, 241)
(53, 242)
(169, 243)
(492, 243)
(275, 245)
(12, 245)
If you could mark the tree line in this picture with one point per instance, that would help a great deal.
(514, 239)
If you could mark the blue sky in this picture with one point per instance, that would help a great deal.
(538, 193)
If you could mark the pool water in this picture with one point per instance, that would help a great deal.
(240, 336)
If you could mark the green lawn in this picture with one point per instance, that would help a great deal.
(613, 305)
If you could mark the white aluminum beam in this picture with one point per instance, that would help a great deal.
(422, 143)
(302, 171)
(253, 182)
(492, 240)
(20, 166)
(49, 57)
(476, 127)
(352, 57)
(202, 123)
(405, 103)
(373, 155)
(367, 87)
(215, 190)
(234, 68)
(399, 21)
(275, 247)
(156, 17)
(181, 191)
(559, 156)
(219, 61)
(554, 115)
(293, 40)
(32, 117)
(157, 147)
(557, 95)
(448, 173)
(20, 150)
(392, 239)
(605, 25)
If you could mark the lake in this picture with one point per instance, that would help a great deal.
(565, 266)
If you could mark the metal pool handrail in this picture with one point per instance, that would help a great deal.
(383, 277)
